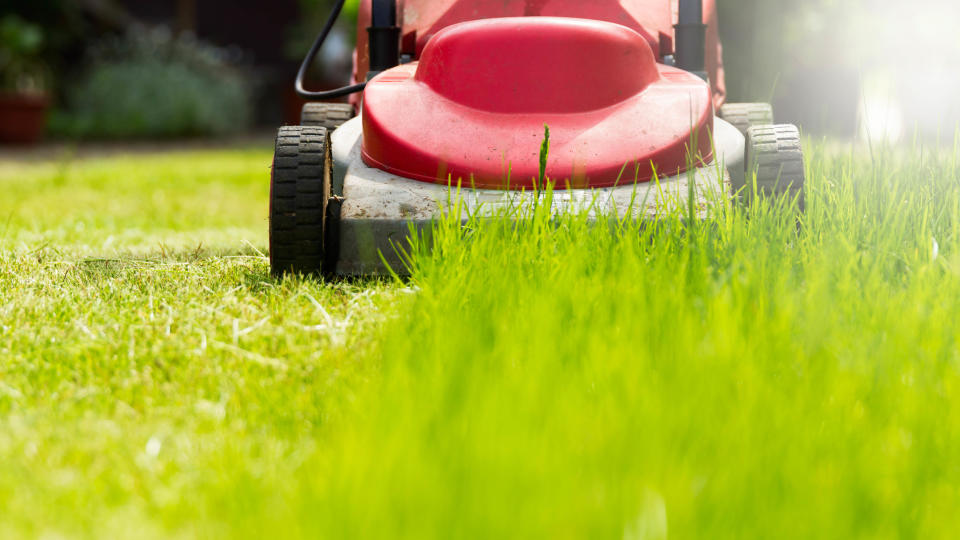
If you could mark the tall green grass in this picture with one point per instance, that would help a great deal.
(734, 377)
(739, 376)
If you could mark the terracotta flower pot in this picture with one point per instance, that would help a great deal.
(23, 118)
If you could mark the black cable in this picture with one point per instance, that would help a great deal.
(311, 56)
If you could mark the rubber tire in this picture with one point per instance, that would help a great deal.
(328, 115)
(745, 115)
(299, 194)
(775, 155)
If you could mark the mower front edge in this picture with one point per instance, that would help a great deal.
(377, 209)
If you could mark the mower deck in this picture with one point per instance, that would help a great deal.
(377, 208)
(456, 107)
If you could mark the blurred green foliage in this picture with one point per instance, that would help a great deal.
(313, 15)
(62, 29)
(21, 66)
(151, 84)
(801, 56)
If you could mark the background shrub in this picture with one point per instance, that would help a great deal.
(151, 84)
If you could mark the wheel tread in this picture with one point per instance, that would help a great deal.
(774, 157)
(745, 115)
(328, 115)
(300, 180)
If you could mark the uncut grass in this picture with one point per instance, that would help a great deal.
(738, 377)
(732, 378)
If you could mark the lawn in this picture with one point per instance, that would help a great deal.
(740, 377)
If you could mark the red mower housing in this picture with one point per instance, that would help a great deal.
(459, 94)
(473, 110)
(420, 20)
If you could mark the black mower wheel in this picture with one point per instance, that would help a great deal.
(774, 156)
(299, 194)
(745, 115)
(328, 115)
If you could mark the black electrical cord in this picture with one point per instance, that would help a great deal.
(311, 56)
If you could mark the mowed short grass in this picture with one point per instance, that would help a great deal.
(743, 376)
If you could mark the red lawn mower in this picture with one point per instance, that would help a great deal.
(456, 93)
